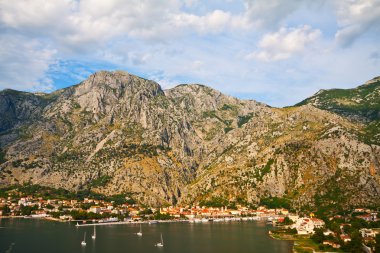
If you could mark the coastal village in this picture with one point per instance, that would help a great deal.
(334, 236)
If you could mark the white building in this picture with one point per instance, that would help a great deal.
(94, 209)
(306, 226)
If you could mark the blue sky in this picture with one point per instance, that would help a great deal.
(274, 51)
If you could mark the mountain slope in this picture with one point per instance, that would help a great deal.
(361, 104)
(119, 133)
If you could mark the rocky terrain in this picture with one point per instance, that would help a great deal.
(119, 133)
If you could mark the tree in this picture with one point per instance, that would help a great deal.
(160, 216)
(287, 221)
(48, 206)
(355, 245)
(377, 246)
(318, 235)
(6, 210)
(27, 210)
(147, 211)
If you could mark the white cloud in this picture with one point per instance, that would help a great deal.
(26, 15)
(270, 13)
(356, 18)
(181, 41)
(91, 22)
(215, 21)
(285, 43)
(24, 64)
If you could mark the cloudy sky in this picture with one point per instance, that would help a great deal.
(274, 51)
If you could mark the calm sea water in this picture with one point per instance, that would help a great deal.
(32, 235)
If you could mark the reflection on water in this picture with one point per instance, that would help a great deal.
(30, 235)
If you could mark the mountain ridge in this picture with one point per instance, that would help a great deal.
(187, 144)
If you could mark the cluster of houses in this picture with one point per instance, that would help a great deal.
(43, 207)
(222, 212)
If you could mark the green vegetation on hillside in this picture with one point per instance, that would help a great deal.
(2, 156)
(363, 101)
(244, 119)
(53, 193)
(275, 202)
(100, 181)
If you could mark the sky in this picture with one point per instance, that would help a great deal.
(274, 51)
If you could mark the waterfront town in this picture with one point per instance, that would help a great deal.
(334, 233)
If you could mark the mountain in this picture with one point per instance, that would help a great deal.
(118, 133)
(361, 104)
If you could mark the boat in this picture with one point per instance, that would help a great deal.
(140, 232)
(83, 243)
(77, 225)
(153, 222)
(94, 235)
(160, 244)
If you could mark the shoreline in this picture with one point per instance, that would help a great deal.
(10, 217)
(83, 223)
(301, 243)
(150, 222)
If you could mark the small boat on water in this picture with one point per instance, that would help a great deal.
(160, 244)
(94, 235)
(153, 222)
(83, 243)
(140, 232)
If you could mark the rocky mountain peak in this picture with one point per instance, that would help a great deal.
(105, 93)
(119, 82)
(199, 96)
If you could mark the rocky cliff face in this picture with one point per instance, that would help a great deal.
(117, 133)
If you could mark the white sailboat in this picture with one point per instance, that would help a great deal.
(160, 244)
(83, 243)
(94, 235)
(140, 232)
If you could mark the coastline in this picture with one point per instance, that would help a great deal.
(11, 217)
(301, 243)
(82, 223)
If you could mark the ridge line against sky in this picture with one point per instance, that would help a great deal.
(274, 51)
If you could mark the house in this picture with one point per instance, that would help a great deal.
(65, 217)
(133, 211)
(328, 232)
(293, 217)
(318, 223)
(282, 211)
(94, 209)
(345, 237)
(189, 215)
(235, 212)
(332, 244)
(366, 217)
(368, 232)
(306, 226)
